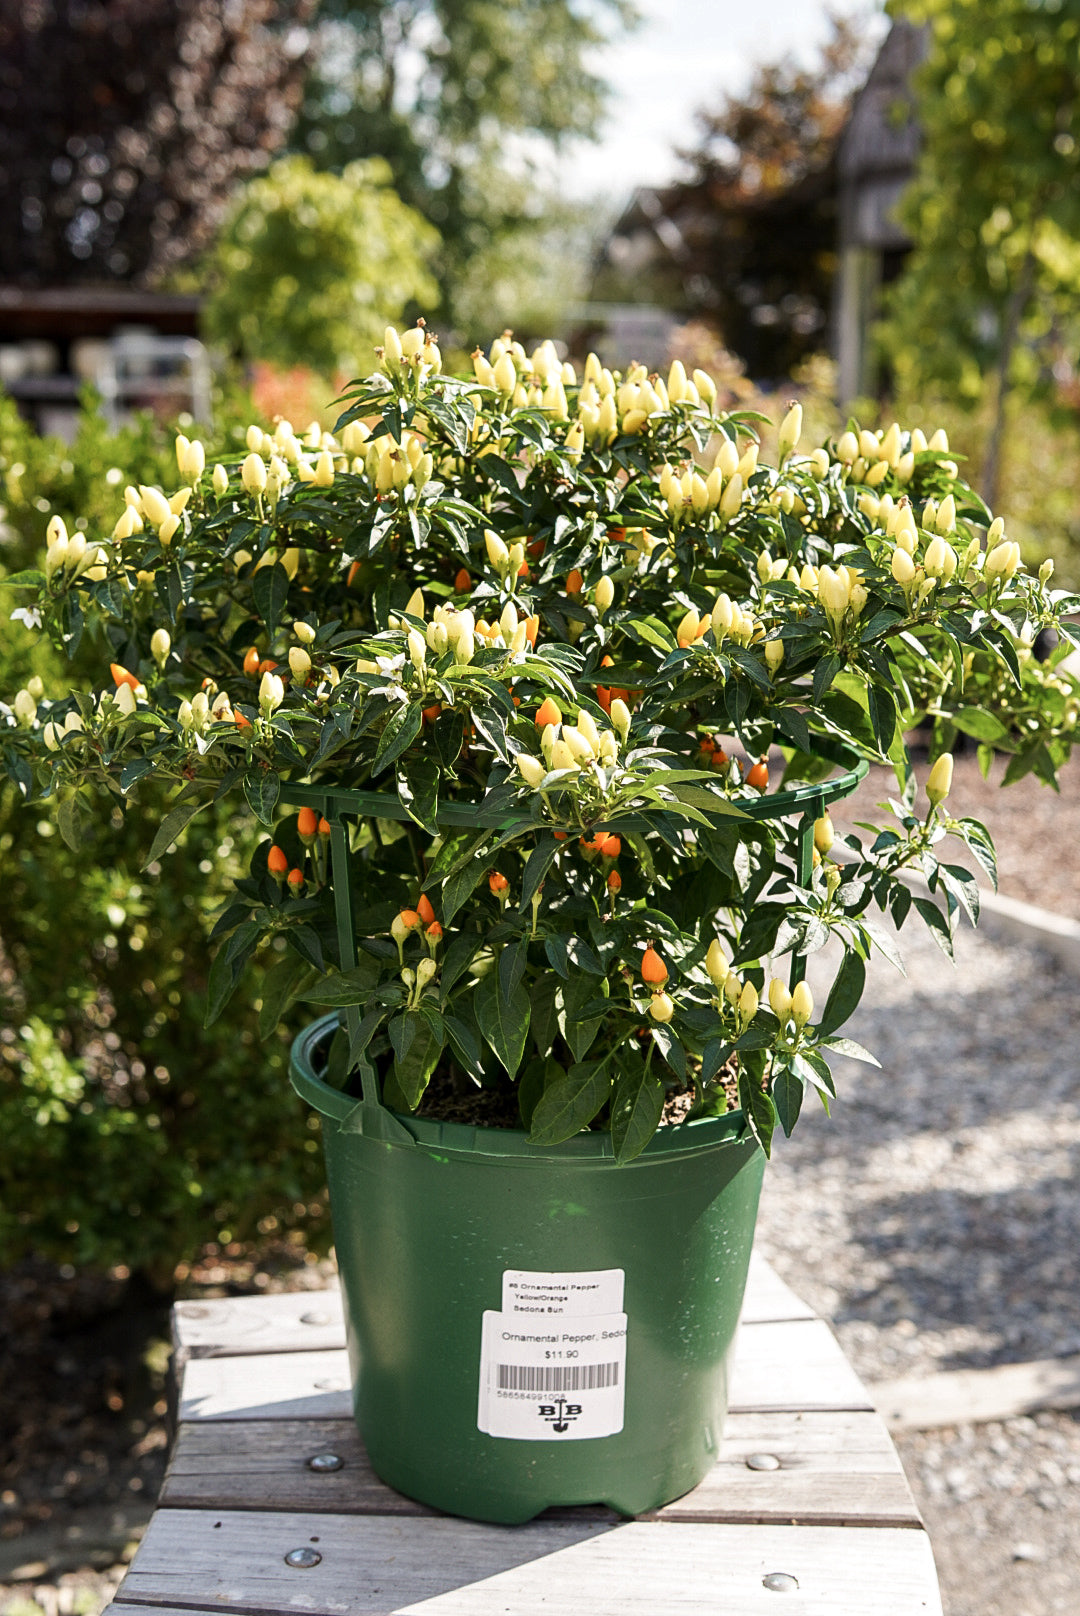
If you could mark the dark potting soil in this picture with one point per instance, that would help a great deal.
(449, 1098)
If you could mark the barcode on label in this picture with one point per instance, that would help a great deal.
(556, 1377)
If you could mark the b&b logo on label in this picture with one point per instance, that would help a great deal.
(559, 1414)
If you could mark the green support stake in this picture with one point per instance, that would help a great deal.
(341, 858)
(804, 870)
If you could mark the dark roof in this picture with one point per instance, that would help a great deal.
(881, 136)
(68, 312)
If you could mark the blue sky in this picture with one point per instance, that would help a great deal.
(682, 56)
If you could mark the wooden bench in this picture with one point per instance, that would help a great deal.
(269, 1504)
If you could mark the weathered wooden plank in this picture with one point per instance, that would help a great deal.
(379, 1566)
(370, 1564)
(295, 1321)
(263, 1464)
(281, 1386)
(769, 1299)
(833, 1468)
(130, 1608)
(959, 1396)
(642, 1568)
(311, 1321)
(795, 1364)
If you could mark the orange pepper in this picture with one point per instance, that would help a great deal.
(653, 969)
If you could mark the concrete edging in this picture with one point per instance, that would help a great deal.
(1009, 920)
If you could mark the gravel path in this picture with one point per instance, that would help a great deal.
(935, 1221)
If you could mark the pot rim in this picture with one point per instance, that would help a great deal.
(466, 1139)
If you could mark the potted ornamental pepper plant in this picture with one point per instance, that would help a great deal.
(541, 682)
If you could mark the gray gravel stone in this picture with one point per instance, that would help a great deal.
(935, 1221)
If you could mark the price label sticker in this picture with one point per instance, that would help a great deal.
(550, 1371)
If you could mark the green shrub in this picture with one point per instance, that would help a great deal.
(127, 1134)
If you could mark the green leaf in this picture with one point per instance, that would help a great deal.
(979, 724)
(545, 1019)
(111, 594)
(29, 578)
(531, 1086)
(787, 1093)
(170, 828)
(813, 1068)
(269, 592)
(304, 940)
(583, 957)
(421, 782)
(416, 1050)
(636, 1108)
(459, 887)
(570, 1103)
(364, 1033)
(536, 867)
(757, 1107)
(940, 930)
(853, 1051)
(713, 802)
(400, 731)
(262, 789)
(220, 985)
(555, 949)
(278, 988)
(671, 1049)
(824, 674)
(343, 988)
(844, 995)
(457, 959)
(71, 624)
(714, 1057)
(70, 818)
(462, 1041)
(882, 710)
(454, 854)
(652, 632)
(513, 958)
(579, 1034)
(503, 1022)
(135, 770)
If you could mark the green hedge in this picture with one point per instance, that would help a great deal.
(128, 1133)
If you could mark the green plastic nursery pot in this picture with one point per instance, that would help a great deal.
(530, 1326)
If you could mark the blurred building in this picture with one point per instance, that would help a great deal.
(138, 349)
(875, 159)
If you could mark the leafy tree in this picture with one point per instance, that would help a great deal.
(750, 235)
(442, 89)
(786, 125)
(311, 266)
(124, 127)
(991, 288)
